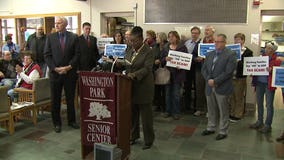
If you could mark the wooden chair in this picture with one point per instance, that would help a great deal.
(39, 95)
(6, 118)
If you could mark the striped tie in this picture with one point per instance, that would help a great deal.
(214, 60)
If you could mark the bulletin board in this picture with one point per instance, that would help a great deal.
(196, 11)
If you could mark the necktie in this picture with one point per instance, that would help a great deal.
(62, 42)
(88, 41)
(214, 60)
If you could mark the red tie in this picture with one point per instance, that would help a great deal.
(62, 42)
(88, 41)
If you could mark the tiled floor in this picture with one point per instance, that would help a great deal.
(175, 140)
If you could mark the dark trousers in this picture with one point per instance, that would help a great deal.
(188, 86)
(145, 110)
(159, 97)
(56, 91)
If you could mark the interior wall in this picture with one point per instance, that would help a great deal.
(32, 7)
(91, 9)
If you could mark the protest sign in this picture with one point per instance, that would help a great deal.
(180, 60)
(115, 50)
(101, 42)
(278, 77)
(235, 48)
(256, 66)
(204, 48)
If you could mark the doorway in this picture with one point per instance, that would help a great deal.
(112, 22)
(272, 29)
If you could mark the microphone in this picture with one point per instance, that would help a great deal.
(113, 63)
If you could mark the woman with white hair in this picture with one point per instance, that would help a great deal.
(263, 86)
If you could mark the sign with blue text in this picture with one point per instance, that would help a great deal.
(278, 77)
(115, 50)
(204, 48)
(235, 48)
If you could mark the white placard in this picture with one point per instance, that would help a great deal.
(180, 60)
(101, 42)
(256, 66)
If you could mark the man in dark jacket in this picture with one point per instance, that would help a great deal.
(35, 43)
(7, 70)
(88, 49)
(61, 54)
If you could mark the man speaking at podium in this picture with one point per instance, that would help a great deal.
(139, 62)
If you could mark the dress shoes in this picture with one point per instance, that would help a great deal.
(207, 132)
(176, 117)
(265, 130)
(256, 125)
(147, 146)
(74, 125)
(133, 141)
(166, 115)
(281, 138)
(221, 136)
(57, 129)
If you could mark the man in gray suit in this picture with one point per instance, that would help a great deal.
(218, 71)
(61, 54)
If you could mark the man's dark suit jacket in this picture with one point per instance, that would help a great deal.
(89, 55)
(55, 58)
(36, 45)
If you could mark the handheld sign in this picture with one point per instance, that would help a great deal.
(204, 48)
(256, 66)
(115, 50)
(101, 42)
(278, 77)
(180, 60)
(235, 48)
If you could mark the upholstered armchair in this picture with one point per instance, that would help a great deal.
(39, 95)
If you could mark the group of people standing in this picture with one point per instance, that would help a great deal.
(218, 79)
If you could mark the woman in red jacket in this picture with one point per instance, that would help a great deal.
(263, 86)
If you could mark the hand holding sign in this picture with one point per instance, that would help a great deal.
(168, 59)
(179, 60)
(256, 66)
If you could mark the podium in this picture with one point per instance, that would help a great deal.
(105, 100)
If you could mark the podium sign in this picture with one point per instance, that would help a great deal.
(98, 111)
(105, 111)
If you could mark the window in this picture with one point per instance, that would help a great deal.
(8, 27)
(32, 23)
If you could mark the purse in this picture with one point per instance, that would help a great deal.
(162, 76)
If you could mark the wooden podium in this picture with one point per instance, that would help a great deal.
(105, 100)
